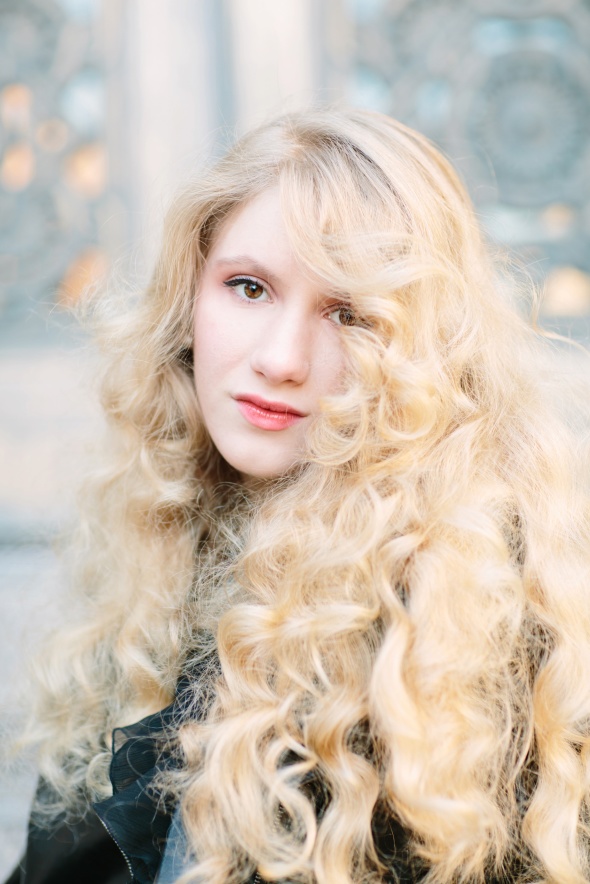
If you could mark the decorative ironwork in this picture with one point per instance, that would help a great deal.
(504, 89)
(53, 170)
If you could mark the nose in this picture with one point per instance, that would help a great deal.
(283, 351)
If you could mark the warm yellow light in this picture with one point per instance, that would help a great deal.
(558, 219)
(85, 271)
(567, 292)
(15, 107)
(86, 170)
(18, 166)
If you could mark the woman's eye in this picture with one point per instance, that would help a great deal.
(343, 315)
(248, 289)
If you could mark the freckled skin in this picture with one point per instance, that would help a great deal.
(262, 328)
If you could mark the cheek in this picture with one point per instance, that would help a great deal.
(330, 368)
(208, 340)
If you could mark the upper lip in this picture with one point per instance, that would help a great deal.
(282, 407)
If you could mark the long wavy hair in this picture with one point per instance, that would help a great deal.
(406, 615)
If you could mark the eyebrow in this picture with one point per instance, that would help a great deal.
(254, 266)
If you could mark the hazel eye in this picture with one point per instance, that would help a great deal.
(248, 289)
(343, 315)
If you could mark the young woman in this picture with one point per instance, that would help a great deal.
(342, 540)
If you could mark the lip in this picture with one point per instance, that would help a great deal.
(267, 415)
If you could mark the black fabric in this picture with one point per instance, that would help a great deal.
(135, 815)
(124, 840)
(80, 853)
(15, 877)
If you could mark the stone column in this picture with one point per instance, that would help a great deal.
(165, 102)
(277, 56)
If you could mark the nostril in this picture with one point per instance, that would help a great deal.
(280, 363)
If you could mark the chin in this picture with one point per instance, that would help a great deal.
(260, 468)
(266, 473)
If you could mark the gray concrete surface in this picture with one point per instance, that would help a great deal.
(47, 417)
(48, 420)
(29, 586)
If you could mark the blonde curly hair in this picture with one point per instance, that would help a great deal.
(407, 614)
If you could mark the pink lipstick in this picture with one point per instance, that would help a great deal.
(267, 415)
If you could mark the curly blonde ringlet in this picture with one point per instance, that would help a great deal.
(403, 619)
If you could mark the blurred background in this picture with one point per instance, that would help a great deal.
(106, 105)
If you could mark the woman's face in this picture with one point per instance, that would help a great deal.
(267, 343)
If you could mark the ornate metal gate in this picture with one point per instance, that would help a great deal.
(504, 88)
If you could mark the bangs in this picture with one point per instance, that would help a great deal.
(345, 220)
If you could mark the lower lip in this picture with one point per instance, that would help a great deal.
(265, 419)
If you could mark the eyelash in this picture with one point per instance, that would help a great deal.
(244, 280)
(237, 281)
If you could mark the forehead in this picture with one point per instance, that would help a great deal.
(257, 221)
(255, 239)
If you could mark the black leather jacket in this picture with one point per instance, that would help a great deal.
(80, 854)
(122, 839)
(85, 853)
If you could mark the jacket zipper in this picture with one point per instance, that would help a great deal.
(121, 851)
